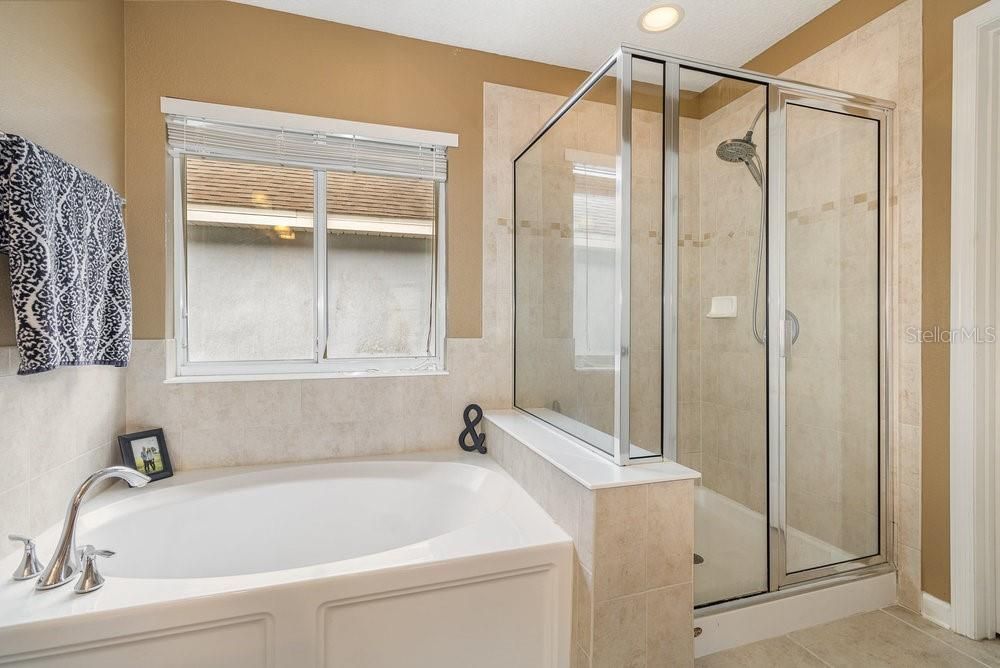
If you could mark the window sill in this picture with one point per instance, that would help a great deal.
(246, 378)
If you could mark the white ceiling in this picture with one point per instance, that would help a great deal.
(572, 33)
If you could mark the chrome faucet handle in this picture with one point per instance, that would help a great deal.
(65, 561)
(29, 566)
(90, 578)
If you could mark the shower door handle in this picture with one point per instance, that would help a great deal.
(785, 339)
(788, 334)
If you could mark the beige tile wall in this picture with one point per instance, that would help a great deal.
(719, 433)
(883, 59)
(57, 428)
(263, 422)
(633, 572)
(831, 281)
(732, 398)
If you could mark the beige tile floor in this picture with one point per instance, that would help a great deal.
(889, 637)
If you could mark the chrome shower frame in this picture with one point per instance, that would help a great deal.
(779, 97)
(780, 92)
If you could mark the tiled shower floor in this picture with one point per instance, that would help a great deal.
(892, 636)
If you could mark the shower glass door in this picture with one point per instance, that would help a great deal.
(826, 277)
(722, 361)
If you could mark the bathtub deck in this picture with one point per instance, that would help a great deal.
(275, 613)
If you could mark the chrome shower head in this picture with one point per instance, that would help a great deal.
(745, 151)
(742, 150)
(737, 150)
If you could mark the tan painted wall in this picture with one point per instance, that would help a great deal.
(63, 85)
(939, 17)
(64, 88)
(234, 54)
(835, 23)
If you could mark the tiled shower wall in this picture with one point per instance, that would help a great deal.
(832, 285)
(883, 59)
(722, 414)
(721, 418)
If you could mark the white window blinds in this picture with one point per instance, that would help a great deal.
(314, 149)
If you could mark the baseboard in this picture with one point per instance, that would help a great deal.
(935, 610)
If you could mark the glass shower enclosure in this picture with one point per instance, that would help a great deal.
(700, 275)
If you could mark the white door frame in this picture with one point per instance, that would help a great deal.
(975, 232)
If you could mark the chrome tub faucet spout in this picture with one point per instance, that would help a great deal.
(65, 562)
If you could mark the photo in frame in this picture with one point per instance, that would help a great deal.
(146, 452)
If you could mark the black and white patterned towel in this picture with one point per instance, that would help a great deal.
(64, 234)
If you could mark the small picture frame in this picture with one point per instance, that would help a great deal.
(146, 452)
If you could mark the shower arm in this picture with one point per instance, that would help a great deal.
(755, 119)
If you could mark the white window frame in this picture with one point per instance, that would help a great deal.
(184, 369)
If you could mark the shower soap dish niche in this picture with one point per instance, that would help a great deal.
(722, 307)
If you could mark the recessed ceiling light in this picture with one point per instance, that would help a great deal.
(660, 18)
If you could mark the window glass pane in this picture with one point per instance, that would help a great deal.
(380, 266)
(250, 269)
(721, 352)
(594, 211)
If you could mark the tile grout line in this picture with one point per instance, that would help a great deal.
(946, 644)
(807, 650)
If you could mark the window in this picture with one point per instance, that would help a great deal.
(303, 252)
(594, 243)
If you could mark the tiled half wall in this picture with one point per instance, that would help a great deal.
(633, 560)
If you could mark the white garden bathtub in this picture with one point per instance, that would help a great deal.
(428, 561)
